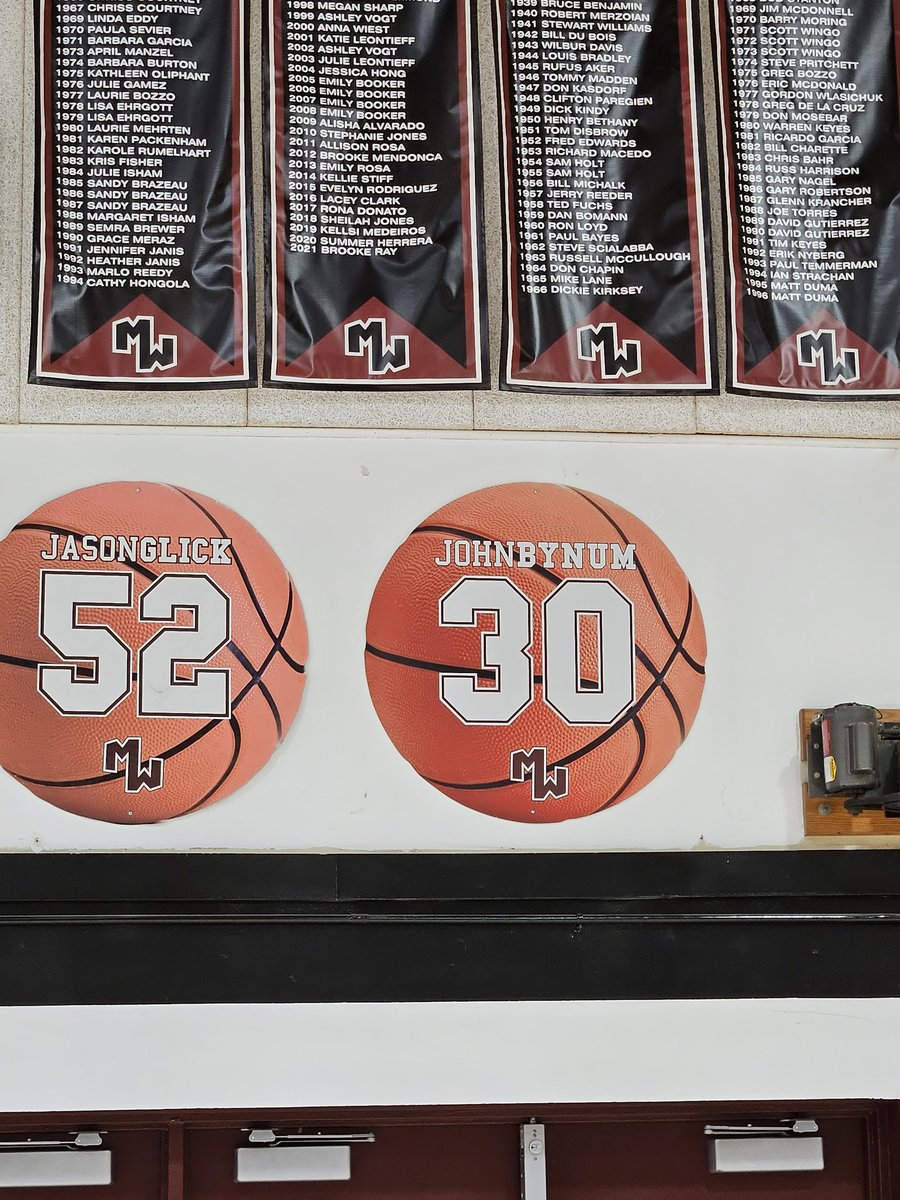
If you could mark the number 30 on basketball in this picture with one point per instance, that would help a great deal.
(578, 611)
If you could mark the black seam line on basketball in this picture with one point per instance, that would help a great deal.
(235, 755)
(644, 576)
(487, 673)
(692, 662)
(589, 747)
(299, 667)
(32, 664)
(267, 695)
(638, 763)
(682, 731)
(9, 661)
(423, 665)
(468, 535)
(275, 648)
(419, 664)
(667, 692)
(135, 566)
(269, 699)
(184, 745)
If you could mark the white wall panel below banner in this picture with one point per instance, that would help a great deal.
(319, 1056)
(787, 548)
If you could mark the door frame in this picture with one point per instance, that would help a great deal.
(881, 1122)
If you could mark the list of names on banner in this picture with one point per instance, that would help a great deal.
(141, 247)
(798, 111)
(809, 94)
(349, 126)
(123, 207)
(577, 116)
(372, 196)
(603, 216)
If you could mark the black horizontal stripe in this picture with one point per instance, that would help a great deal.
(10, 660)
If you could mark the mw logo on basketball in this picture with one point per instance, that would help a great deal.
(546, 783)
(137, 775)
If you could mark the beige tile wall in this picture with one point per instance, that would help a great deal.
(12, 51)
(481, 410)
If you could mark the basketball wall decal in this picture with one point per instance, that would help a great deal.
(152, 652)
(535, 652)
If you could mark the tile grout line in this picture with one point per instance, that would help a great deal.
(23, 218)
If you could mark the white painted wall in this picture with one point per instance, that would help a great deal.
(783, 542)
(259, 1056)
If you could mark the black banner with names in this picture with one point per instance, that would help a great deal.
(374, 228)
(143, 245)
(607, 271)
(808, 93)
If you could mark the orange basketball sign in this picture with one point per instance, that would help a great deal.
(535, 652)
(152, 652)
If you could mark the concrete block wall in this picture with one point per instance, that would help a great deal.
(21, 402)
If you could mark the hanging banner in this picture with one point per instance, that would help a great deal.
(142, 263)
(375, 264)
(607, 268)
(808, 104)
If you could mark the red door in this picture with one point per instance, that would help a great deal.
(137, 1166)
(406, 1162)
(667, 1160)
(475, 1155)
(585, 1160)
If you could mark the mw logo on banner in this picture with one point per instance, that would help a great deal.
(137, 336)
(601, 342)
(836, 364)
(370, 338)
